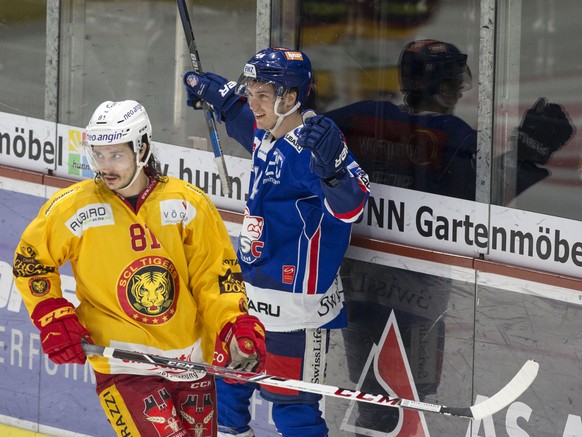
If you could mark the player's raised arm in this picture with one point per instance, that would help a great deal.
(343, 182)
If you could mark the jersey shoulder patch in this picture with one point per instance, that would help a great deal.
(291, 138)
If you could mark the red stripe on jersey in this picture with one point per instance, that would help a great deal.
(313, 262)
(351, 214)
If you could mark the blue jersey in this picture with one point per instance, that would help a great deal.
(430, 152)
(427, 152)
(295, 232)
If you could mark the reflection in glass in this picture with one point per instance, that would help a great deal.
(535, 58)
(136, 49)
(22, 65)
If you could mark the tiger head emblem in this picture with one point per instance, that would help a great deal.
(151, 291)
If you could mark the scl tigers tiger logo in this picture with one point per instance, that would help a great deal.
(148, 290)
(39, 286)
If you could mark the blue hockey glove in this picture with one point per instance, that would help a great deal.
(326, 142)
(211, 88)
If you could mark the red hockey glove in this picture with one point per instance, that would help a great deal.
(60, 331)
(245, 339)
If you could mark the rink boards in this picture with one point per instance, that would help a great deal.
(446, 299)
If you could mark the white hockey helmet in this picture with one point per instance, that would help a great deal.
(119, 122)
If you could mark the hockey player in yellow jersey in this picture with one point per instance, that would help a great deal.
(155, 272)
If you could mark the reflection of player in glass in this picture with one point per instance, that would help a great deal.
(422, 146)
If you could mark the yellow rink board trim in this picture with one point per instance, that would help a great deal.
(13, 427)
(9, 431)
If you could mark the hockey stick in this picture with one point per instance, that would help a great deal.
(208, 113)
(520, 382)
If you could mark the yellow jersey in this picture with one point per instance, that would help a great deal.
(161, 278)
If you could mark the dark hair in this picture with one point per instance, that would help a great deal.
(153, 168)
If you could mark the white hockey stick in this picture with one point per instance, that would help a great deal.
(520, 382)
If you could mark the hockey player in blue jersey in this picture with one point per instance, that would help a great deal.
(423, 146)
(305, 192)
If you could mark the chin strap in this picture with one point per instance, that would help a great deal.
(140, 164)
(280, 116)
(135, 176)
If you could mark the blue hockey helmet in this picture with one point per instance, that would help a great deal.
(425, 64)
(285, 68)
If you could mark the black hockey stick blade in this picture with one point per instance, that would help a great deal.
(497, 402)
(208, 112)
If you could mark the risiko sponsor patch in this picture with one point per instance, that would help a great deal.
(95, 214)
